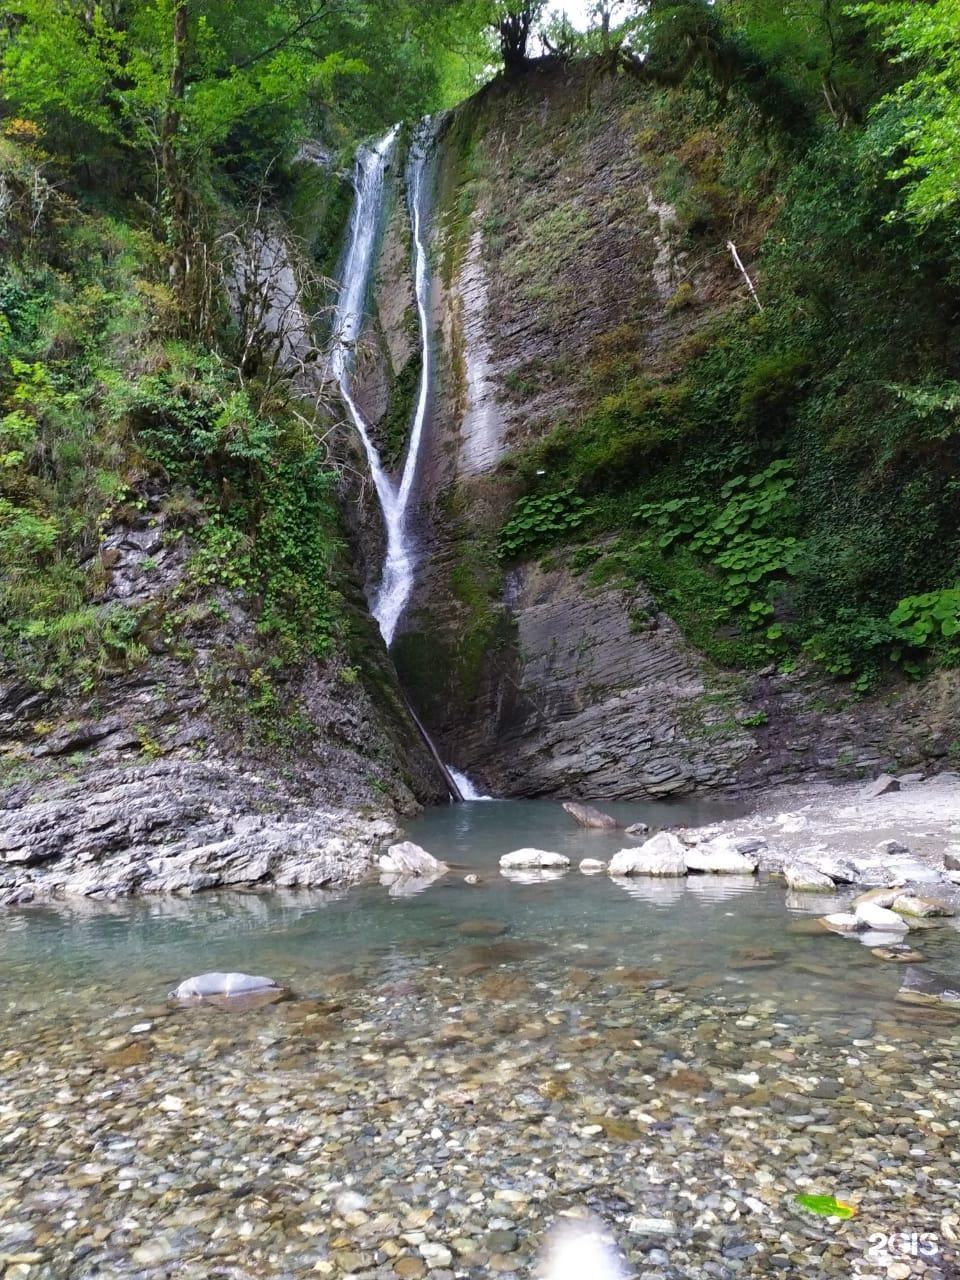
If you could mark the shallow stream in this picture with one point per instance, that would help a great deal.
(460, 1066)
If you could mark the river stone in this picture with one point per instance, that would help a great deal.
(919, 986)
(951, 859)
(592, 866)
(483, 928)
(525, 858)
(802, 878)
(663, 855)
(719, 857)
(890, 847)
(897, 953)
(641, 829)
(885, 897)
(844, 922)
(873, 917)
(881, 786)
(909, 904)
(585, 815)
(222, 984)
(408, 859)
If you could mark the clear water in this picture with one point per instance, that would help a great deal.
(738, 1054)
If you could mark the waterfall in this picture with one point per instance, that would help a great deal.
(400, 558)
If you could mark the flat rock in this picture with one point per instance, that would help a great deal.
(524, 859)
(719, 857)
(802, 878)
(920, 986)
(585, 815)
(408, 859)
(592, 866)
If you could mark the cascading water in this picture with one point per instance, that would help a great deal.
(400, 557)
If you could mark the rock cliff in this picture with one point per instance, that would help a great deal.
(557, 265)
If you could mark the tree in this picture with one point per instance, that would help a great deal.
(514, 23)
(918, 124)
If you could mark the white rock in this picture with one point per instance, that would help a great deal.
(873, 917)
(408, 859)
(222, 984)
(642, 1226)
(719, 858)
(802, 878)
(524, 858)
(844, 922)
(663, 855)
(637, 829)
(592, 866)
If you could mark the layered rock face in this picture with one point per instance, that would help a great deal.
(171, 776)
(556, 265)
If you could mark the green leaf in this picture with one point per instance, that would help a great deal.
(826, 1206)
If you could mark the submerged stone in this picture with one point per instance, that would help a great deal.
(205, 985)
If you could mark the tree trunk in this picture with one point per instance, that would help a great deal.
(175, 180)
(514, 34)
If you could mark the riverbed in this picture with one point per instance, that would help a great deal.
(457, 1067)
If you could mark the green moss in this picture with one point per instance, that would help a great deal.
(394, 427)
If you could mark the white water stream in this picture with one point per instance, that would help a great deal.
(400, 556)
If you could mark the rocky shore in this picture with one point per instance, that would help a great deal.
(177, 826)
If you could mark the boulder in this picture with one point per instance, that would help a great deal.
(951, 859)
(663, 855)
(719, 857)
(524, 859)
(408, 859)
(585, 815)
(802, 878)
(910, 904)
(881, 786)
(875, 917)
(205, 985)
(592, 866)
(639, 829)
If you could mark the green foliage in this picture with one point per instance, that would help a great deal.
(548, 517)
(917, 125)
(738, 536)
(928, 619)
